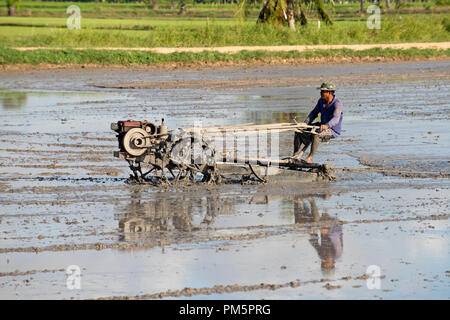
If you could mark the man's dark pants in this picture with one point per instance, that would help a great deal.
(303, 139)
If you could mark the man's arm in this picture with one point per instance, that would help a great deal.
(336, 115)
(313, 114)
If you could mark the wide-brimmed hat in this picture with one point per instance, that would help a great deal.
(327, 86)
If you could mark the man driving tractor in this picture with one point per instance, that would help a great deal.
(331, 111)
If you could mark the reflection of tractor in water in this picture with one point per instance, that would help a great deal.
(145, 217)
(190, 153)
(166, 214)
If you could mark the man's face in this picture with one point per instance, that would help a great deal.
(326, 95)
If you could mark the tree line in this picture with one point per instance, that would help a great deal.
(276, 12)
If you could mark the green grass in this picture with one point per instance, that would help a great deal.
(122, 57)
(97, 23)
(122, 10)
(190, 33)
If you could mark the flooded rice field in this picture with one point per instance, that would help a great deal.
(380, 232)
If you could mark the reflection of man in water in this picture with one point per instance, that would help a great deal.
(331, 244)
(330, 247)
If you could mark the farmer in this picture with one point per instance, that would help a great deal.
(331, 110)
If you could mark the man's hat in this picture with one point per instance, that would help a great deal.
(327, 86)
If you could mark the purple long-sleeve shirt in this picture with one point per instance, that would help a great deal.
(331, 115)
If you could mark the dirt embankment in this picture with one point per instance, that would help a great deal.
(235, 49)
(209, 65)
(438, 46)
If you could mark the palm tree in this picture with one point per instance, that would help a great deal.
(12, 6)
(282, 12)
(182, 6)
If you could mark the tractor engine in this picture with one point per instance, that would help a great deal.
(180, 153)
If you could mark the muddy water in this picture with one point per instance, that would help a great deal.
(64, 200)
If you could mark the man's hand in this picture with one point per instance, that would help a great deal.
(323, 127)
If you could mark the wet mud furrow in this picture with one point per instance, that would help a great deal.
(222, 289)
(63, 154)
(29, 272)
(162, 239)
(404, 173)
(238, 84)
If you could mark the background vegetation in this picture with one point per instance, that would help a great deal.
(207, 23)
